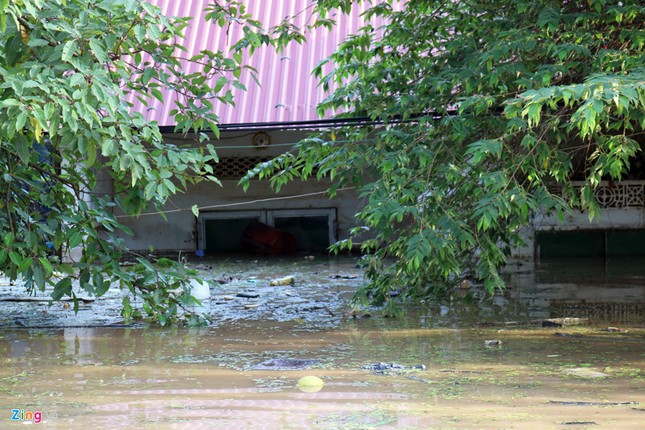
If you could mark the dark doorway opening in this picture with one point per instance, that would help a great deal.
(313, 229)
(311, 232)
(224, 235)
(591, 243)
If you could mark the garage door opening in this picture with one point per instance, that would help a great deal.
(222, 232)
(313, 229)
(590, 243)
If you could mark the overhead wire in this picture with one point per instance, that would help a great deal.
(278, 144)
(225, 205)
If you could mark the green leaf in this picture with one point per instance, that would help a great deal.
(9, 239)
(533, 113)
(126, 311)
(148, 74)
(219, 84)
(109, 148)
(98, 51)
(91, 154)
(46, 265)
(67, 269)
(215, 129)
(75, 239)
(3, 20)
(24, 264)
(39, 278)
(23, 149)
(157, 94)
(69, 50)
(100, 286)
(10, 102)
(15, 258)
(62, 288)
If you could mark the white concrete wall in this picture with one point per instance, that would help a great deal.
(180, 231)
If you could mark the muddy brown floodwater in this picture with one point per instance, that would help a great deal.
(585, 370)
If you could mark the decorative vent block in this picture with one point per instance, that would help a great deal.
(236, 167)
(625, 194)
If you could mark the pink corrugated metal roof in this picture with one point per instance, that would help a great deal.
(287, 91)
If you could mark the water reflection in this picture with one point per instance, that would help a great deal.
(609, 291)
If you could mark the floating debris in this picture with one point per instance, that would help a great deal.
(565, 321)
(575, 336)
(45, 299)
(615, 330)
(356, 314)
(343, 277)
(248, 295)
(280, 282)
(465, 284)
(416, 378)
(392, 368)
(583, 372)
(310, 384)
(286, 364)
(492, 343)
(200, 290)
(548, 323)
(568, 403)
(225, 279)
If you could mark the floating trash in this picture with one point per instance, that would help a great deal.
(287, 280)
(492, 343)
(392, 368)
(583, 372)
(310, 384)
(285, 364)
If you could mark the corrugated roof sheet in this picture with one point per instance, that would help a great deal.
(287, 91)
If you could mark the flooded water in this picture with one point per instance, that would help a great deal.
(438, 371)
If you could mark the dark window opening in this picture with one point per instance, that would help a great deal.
(590, 243)
(225, 235)
(312, 229)
(311, 232)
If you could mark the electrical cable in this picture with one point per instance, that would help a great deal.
(225, 205)
(274, 144)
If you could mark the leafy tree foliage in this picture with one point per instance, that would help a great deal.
(66, 69)
(484, 111)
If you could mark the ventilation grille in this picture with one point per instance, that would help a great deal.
(236, 167)
(623, 194)
(626, 194)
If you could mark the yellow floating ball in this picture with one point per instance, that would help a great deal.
(310, 384)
